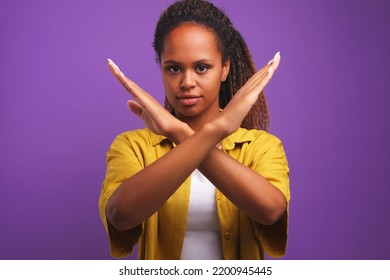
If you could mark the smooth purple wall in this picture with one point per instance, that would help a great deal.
(61, 109)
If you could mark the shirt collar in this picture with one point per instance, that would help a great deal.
(157, 139)
(240, 136)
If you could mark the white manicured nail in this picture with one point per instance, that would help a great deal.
(116, 66)
(113, 64)
(276, 56)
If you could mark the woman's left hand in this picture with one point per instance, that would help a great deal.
(236, 110)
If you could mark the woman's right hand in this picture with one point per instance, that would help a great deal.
(154, 116)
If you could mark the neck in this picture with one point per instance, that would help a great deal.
(197, 122)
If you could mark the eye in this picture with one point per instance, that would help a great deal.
(174, 69)
(202, 68)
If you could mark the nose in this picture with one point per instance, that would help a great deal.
(187, 80)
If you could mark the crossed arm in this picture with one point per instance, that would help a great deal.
(247, 189)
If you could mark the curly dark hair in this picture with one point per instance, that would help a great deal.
(231, 45)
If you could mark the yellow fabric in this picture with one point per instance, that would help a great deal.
(162, 235)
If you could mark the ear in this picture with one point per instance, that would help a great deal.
(225, 69)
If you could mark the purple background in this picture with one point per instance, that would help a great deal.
(61, 109)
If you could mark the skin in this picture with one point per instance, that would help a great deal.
(192, 73)
(199, 125)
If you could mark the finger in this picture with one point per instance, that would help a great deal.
(114, 69)
(264, 80)
(135, 107)
(256, 79)
(263, 76)
(260, 79)
(274, 65)
(128, 84)
(120, 76)
(275, 61)
(117, 73)
(263, 72)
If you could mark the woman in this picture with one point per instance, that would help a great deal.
(196, 184)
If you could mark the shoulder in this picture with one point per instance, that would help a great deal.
(136, 140)
(140, 136)
(136, 134)
(254, 144)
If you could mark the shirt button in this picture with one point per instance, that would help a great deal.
(218, 196)
(227, 235)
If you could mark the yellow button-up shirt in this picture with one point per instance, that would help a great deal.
(161, 236)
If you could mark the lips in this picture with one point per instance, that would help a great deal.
(188, 100)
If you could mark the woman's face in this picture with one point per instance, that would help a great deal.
(192, 72)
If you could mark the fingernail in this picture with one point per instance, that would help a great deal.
(116, 66)
(276, 56)
(113, 64)
(270, 69)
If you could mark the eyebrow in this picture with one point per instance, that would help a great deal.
(206, 60)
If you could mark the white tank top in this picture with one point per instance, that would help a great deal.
(202, 239)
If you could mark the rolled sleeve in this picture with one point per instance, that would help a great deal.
(272, 164)
(122, 163)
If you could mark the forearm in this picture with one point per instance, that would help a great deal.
(144, 193)
(247, 189)
(244, 187)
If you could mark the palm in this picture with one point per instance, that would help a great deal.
(155, 123)
(245, 98)
(153, 115)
